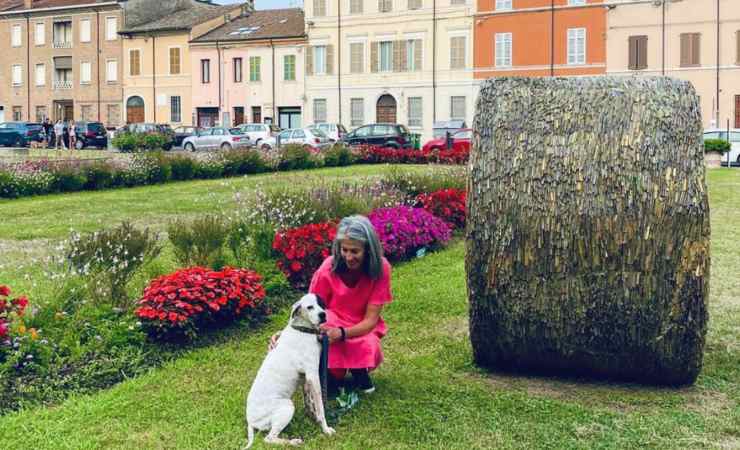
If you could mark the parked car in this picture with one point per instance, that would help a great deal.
(216, 138)
(19, 134)
(335, 131)
(734, 153)
(309, 137)
(459, 140)
(183, 132)
(162, 128)
(383, 134)
(90, 134)
(259, 131)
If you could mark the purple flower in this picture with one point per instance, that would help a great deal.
(404, 230)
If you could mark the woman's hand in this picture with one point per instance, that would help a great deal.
(335, 334)
(273, 341)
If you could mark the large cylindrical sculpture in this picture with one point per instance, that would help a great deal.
(588, 228)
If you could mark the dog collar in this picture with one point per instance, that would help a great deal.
(306, 329)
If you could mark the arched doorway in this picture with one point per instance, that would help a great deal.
(385, 110)
(135, 110)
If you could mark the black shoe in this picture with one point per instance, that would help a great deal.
(361, 381)
(333, 386)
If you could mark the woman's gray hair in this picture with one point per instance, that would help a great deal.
(358, 228)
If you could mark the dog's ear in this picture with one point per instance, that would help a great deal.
(296, 310)
(320, 301)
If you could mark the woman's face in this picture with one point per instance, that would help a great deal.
(353, 253)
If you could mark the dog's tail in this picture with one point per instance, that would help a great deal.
(250, 435)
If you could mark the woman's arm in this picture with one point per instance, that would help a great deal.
(363, 327)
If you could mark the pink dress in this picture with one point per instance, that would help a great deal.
(346, 307)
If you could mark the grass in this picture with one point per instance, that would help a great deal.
(429, 393)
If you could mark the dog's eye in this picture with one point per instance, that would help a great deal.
(310, 308)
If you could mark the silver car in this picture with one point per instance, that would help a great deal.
(257, 132)
(733, 156)
(311, 138)
(216, 138)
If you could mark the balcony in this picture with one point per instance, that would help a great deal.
(62, 44)
(62, 85)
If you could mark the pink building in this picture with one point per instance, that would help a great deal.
(250, 70)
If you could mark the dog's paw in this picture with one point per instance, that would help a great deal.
(296, 441)
(329, 431)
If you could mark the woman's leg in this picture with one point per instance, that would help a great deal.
(361, 380)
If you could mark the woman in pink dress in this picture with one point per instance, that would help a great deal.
(355, 284)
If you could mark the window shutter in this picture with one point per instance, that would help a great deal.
(373, 57)
(737, 47)
(695, 47)
(632, 64)
(685, 50)
(329, 59)
(417, 55)
(404, 55)
(642, 52)
(397, 60)
(309, 60)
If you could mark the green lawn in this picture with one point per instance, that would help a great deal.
(429, 393)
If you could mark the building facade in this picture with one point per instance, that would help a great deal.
(402, 61)
(62, 60)
(251, 70)
(540, 38)
(697, 41)
(157, 62)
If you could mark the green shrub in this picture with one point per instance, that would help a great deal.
(98, 176)
(338, 155)
(295, 157)
(8, 188)
(717, 145)
(199, 242)
(108, 259)
(127, 142)
(434, 178)
(210, 168)
(161, 171)
(153, 141)
(241, 162)
(183, 168)
(69, 179)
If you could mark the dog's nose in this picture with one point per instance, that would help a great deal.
(322, 317)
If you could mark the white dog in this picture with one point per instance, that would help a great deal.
(269, 403)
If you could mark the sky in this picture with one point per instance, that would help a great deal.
(267, 4)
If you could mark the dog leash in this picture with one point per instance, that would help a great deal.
(324, 368)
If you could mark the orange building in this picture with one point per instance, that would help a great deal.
(539, 38)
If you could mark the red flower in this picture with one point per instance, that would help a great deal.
(302, 250)
(4, 290)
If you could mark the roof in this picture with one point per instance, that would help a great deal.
(183, 19)
(264, 24)
(18, 5)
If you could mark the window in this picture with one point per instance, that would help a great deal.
(175, 109)
(576, 46)
(413, 55)
(40, 74)
(86, 112)
(17, 75)
(356, 57)
(113, 116)
(111, 28)
(205, 71)
(457, 52)
(414, 4)
(576, 2)
(637, 52)
(355, 6)
(86, 73)
(17, 113)
(62, 34)
(40, 33)
(415, 112)
(319, 8)
(386, 56)
(503, 50)
(237, 63)
(457, 2)
(85, 30)
(15, 36)
(690, 55)
(503, 5)
(41, 113)
(319, 110)
(134, 62)
(111, 71)
(254, 68)
(289, 67)
(385, 5)
(357, 111)
(457, 108)
(174, 60)
(319, 60)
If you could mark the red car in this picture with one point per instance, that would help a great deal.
(460, 141)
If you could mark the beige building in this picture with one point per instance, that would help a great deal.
(692, 40)
(156, 47)
(403, 61)
(61, 59)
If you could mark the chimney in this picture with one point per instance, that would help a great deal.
(27, 4)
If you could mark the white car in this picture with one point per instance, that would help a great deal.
(335, 131)
(310, 138)
(259, 131)
(734, 153)
(216, 138)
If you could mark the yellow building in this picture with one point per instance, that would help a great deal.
(157, 76)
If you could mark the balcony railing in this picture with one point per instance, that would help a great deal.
(62, 44)
(59, 85)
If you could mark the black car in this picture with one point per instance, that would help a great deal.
(182, 132)
(19, 134)
(91, 134)
(383, 134)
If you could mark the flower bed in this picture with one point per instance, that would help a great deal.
(447, 204)
(404, 230)
(302, 250)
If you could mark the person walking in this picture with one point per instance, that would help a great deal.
(72, 135)
(47, 131)
(58, 135)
